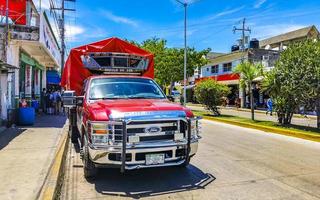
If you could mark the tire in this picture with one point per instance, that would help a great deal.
(73, 134)
(89, 169)
(186, 163)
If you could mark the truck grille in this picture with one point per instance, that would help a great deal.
(150, 130)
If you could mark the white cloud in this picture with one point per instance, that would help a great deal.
(119, 19)
(267, 31)
(259, 3)
(229, 12)
(72, 31)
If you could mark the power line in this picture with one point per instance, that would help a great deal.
(61, 24)
(243, 29)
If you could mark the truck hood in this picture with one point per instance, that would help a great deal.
(137, 109)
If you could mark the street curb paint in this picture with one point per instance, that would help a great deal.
(297, 134)
(249, 111)
(52, 186)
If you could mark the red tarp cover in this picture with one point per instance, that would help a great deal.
(74, 73)
(17, 10)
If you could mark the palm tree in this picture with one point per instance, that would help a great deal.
(248, 71)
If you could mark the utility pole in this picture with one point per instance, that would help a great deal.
(62, 28)
(185, 5)
(6, 43)
(243, 29)
(62, 36)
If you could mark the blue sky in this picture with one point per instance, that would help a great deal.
(210, 22)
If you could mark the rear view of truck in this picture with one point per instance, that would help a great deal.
(119, 116)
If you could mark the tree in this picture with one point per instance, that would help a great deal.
(295, 80)
(210, 93)
(169, 61)
(248, 72)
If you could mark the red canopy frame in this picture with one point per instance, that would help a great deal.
(17, 10)
(74, 73)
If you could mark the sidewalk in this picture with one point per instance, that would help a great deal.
(259, 115)
(26, 154)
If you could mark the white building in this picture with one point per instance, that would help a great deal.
(32, 49)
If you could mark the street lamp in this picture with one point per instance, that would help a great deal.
(185, 4)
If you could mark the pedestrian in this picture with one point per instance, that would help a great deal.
(48, 102)
(59, 101)
(269, 106)
(43, 100)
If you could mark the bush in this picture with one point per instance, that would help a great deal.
(210, 93)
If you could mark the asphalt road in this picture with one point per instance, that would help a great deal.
(302, 121)
(232, 163)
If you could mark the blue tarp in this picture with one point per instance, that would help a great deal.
(53, 77)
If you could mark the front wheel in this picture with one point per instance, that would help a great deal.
(73, 134)
(89, 168)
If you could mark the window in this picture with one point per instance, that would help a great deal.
(207, 69)
(214, 69)
(227, 67)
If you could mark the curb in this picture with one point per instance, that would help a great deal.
(297, 134)
(52, 185)
(249, 111)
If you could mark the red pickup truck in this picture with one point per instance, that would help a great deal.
(119, 115)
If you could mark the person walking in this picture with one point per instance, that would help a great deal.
(269, 106)
(59, 101)
(43, 102)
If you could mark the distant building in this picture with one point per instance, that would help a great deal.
(266, 52)
(220, 69)
(280, 42)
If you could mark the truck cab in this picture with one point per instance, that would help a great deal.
(124, 120)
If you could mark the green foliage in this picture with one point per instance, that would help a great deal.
(210, 93)
(248, 72)
(295, 80)
(169, 61)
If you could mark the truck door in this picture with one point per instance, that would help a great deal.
(80, 108)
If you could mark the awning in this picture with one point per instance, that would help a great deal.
(17, 10)
(5, 67)
(53, 77)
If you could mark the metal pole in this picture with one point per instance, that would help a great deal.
(6, 32)
(62, 37)
(185, 56)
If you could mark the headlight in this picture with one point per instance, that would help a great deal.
(195, 128)
(99, 132)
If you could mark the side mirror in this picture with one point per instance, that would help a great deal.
(69, 99)
(79, 100)
(170, 98)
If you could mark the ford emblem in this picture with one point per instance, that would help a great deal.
(152, 129)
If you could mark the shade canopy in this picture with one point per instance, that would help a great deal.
(53, 77)
(74, 73)
(17, 10)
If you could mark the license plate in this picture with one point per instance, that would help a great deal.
(154, 159)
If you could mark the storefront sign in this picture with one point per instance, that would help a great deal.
(48, 39)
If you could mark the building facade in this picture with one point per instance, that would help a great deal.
(31, 47)
(220, 68)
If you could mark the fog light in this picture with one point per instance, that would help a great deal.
(134, 139)
(178, 136)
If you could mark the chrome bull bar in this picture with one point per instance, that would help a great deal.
(124, 141)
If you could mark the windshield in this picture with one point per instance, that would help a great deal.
(124, 88)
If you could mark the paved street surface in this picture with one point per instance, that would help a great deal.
(232, 163)
(311, 122)
(26, 154)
